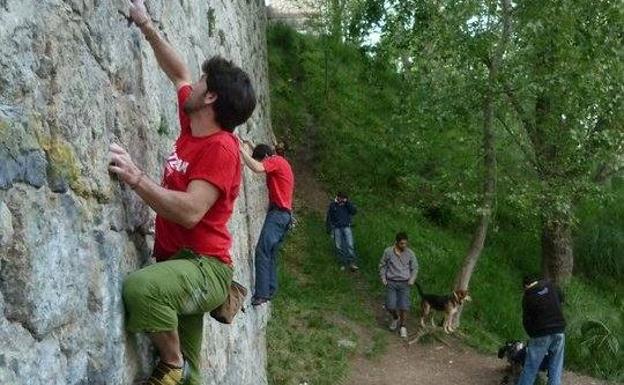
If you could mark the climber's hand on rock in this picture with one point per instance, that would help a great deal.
(138, 12)
(121, 164)
(243, 143)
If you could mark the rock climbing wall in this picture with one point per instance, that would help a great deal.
(74, 77)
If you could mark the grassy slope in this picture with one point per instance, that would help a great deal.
(317, 308)
(351, 152)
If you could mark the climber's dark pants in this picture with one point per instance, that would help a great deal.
(174, 295)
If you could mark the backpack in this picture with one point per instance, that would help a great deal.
(234, 302)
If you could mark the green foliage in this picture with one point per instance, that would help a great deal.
(598, 337)
(561, 87)
(599, 238)
(564, 76)
(558, 97)
(346, 20)
(340, 99)
(407, 152)
(594, 333)
(351, 112)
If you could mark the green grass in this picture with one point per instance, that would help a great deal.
(360, 141)
(317, 307)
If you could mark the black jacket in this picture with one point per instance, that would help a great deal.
(339, 215)
(542, 313)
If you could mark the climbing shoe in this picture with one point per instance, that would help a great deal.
(165, 374)
(257, 301)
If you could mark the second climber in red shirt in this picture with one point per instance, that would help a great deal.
(280, 183)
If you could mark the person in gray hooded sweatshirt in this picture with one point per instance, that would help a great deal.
(398, 269)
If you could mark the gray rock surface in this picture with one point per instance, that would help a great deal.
(73, 79)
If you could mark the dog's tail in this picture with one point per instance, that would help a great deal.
(420, 291)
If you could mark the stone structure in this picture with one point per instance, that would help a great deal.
(296, 13)
(74, 77)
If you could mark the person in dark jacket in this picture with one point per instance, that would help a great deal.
(339, 222)
(543, 320)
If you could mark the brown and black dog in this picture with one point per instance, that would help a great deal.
(448, 304)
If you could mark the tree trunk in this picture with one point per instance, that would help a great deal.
(556, 205)
(557, 251)
(489, 163)
(489, 192)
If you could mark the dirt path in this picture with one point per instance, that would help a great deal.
(443, 361)
(436, 364)
(446, 360)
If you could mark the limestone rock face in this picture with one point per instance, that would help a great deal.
(74, 77)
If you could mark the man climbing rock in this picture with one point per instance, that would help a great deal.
(398, 269)
(280, 183)
(193, 204)
(338, 222)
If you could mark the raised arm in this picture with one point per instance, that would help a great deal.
(253, 164)
(168, 59)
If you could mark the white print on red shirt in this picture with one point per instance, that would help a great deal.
(174, 163)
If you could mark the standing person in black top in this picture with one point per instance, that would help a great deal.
(543, 321)
(338, 222)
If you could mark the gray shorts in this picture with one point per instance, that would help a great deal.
(398, 295)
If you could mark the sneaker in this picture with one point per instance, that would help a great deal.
(257, 301)
(403, 332)
(354, 267)
(394, 324)
(165, 374)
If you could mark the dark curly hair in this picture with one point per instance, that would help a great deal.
(261, 151)
(401, 236)
(236, 98)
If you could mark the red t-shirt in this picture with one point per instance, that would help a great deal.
(215, 159)
(280, 181)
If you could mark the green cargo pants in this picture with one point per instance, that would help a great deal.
(175, 294)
